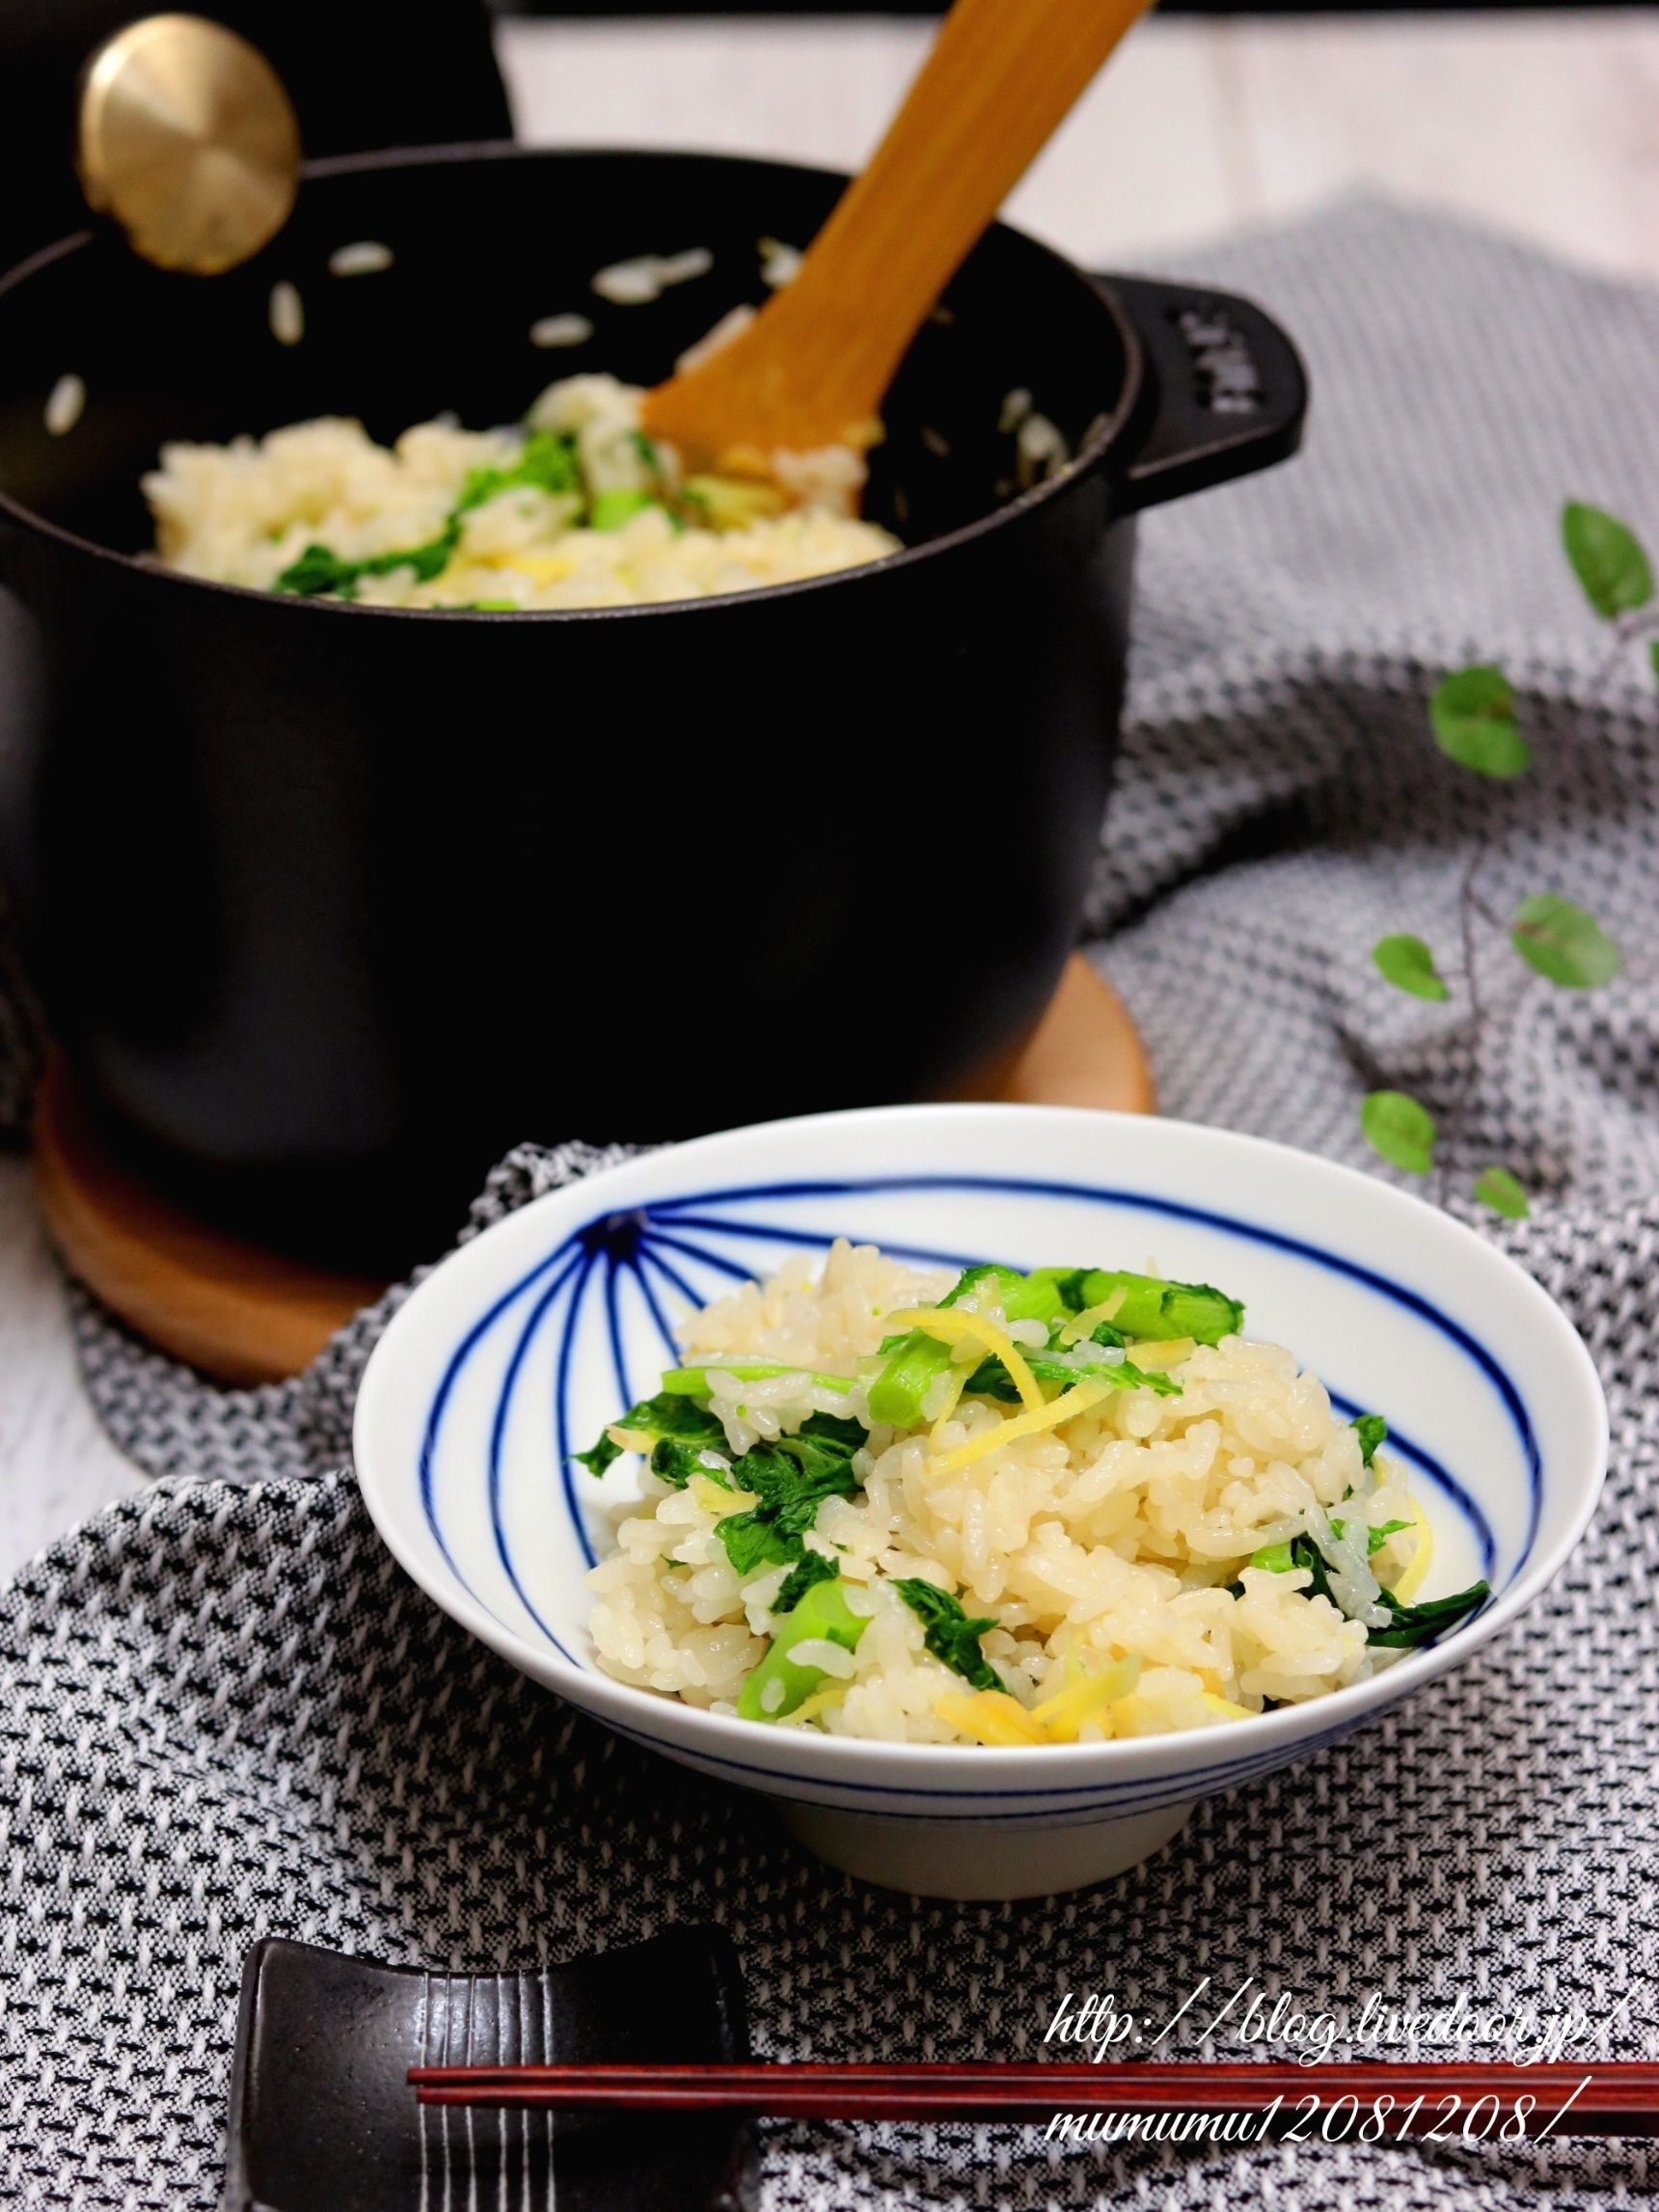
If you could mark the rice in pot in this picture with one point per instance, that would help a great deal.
(574, 509)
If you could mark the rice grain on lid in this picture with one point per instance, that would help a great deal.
(287, 314)
(63, 405)
(1041, 449)
(780, 264)
(560, 330)
(366, 258)
(646, 278)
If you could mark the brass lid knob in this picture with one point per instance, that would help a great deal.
(188, 139)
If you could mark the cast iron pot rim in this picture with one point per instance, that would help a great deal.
(1086, 462)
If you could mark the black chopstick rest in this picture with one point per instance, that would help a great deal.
(324, 2118)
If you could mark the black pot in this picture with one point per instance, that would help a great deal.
(328, 906)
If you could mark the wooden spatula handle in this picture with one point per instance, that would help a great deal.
(821, 354)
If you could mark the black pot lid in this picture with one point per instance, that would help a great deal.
(372, 74)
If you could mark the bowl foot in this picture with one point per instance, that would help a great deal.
(981, 1860)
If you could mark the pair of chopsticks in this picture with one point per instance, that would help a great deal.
(1458, 2101)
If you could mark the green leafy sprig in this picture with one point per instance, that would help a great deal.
(1471, 714)
(949, 1634)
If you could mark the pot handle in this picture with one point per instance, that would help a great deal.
(1230, 393)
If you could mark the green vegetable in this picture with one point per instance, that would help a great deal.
(1067, 1285)
(1281, 1558)
(681, 1432)
(1371, 1429)
(1276, 1558)
(1036, 1297)
(897, 1393)
(1412, 1624)
(1408, 963)
(610, 510)
(1563, 943)
(992, 1380)
(950, 1635)
(916, 1360)
(1377, 1536)
(823, 1612)
(1300, 1552)
(809, 1569)
(318, 570)
(1400, 1129)
(1374, 1537)
(694, 1382)
(1472, 713)
(1409, 1625)
(1608, 560)
(791, 1477)
(547, 463)
(1151, 1307)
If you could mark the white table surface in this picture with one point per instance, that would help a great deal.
(1542, 123)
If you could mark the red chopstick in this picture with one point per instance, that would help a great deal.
(1459, 2101)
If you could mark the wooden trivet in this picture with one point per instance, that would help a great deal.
(237, 1312)
(244, 1315)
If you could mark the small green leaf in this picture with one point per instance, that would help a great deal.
(1472, 713)
(615, 510)
(950, 1635)
(1401, 1130)
(811, 1569)
(1412, 1624)
(1563, 943)
(1276, 1558)
(1408, 963)
(1371, 1429)
(1607, 559)
(1653, 655)
(1499, 1190)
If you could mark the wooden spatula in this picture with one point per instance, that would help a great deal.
(814, 365)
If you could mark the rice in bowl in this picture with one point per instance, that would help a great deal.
(1000, 1509)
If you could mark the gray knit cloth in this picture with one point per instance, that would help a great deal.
(224, 1712)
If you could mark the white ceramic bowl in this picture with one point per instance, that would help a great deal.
(522, 1346)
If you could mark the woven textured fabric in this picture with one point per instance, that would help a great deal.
(225, 1712)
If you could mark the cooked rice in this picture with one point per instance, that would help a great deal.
(287, 313)
(647, 276)
(65, 403)
(780, 263)
(363, 258)
(555, 329)
(1041, 450)
(243, 513)
(1112, 1539)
